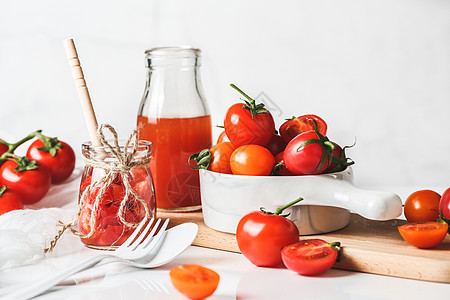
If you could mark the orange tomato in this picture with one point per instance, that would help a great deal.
(222, 138)
(194, 281)
(221, 154)
(424, 235)
(422, 206)
(252, 160)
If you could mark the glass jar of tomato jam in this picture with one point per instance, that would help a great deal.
(103, 193)
(175, 117)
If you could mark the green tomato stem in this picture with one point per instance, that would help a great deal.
(14, 146)
(280, 209)
(242, 93)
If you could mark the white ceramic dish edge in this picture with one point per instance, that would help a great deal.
(328, 198)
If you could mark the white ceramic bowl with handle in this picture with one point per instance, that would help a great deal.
(328, 200)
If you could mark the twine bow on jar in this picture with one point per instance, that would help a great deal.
(115, 162)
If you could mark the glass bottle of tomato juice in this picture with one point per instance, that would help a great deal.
(175, 117)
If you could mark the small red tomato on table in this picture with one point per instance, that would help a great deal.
(261, 235)
(56, 155)
(194, 281)
(9, 200)
(248, 123)
(30, 179)
(422, 206)
(296, 125)
(311, 256)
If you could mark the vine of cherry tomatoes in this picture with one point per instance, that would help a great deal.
(27, 179)
(428, 214)
(249, 145)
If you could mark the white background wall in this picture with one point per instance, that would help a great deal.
(375, 70)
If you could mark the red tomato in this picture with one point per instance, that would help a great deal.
(310, 257)
(293, 127)
(194, 281)
(252, 160)
(221, 154)
(9, 201)
(444, 204)
(249, 123)
(276, 145)
(60, 165)
(222, 138)
(216, 159)
(308, 159)
(261, 236)
(422, 206)
(31, 185)
(282, 170)
(424, 235)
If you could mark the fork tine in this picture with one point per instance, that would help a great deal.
(144, 234)
(136, 232)
(150, 243)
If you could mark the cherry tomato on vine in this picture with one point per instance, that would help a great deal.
(422, 206)
(9, 200)
(56, 155)
(276, 145)
(425, 234)
(310, 256)
(444, 206)
(261, 236)
(296, 125)
(252, 160)
(248, 123)
(216, 159)
(304, 158)
(31, 182)
(194, 281)
(222, 138)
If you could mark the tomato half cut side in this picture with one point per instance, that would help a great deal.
(309, 257)
(424, 235)
(194, 281)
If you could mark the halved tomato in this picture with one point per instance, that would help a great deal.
(424, 235)
(310, 257)
(296, 125)
(194, 281)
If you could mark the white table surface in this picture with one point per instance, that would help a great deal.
(239, 278)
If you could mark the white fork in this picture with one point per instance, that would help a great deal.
(135, 247)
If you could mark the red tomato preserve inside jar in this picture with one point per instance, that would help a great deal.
(109, 229)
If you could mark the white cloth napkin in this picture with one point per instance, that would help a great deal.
(24, 234)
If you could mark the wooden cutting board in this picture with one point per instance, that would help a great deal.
(367, 246)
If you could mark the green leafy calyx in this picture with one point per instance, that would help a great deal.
(250, 103)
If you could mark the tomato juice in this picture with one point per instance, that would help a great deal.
(177, 187)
